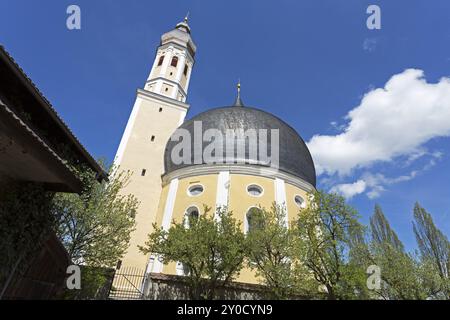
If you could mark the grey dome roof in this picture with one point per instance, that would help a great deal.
(294, 156)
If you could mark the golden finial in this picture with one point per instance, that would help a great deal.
(186, 18)
(239, 86)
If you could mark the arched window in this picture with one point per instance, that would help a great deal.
(174, 62)
(186, 68)
(161, 60)
(182, 270)
(253, 219)
(299, 201)
(191, 216)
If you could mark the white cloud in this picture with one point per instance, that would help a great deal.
(348, 190)
(390, 122)
(375, 184)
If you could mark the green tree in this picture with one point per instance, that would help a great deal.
(434, 249)
(325, 230)
(381, 230)
(95, 225)
(271, 253)
(211, 248)
(401, 273)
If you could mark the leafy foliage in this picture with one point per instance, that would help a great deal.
(324, 234)
(95, 226)
(434, 248)
(270, 253)
(212, 250)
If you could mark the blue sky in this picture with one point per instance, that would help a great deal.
(308, 62)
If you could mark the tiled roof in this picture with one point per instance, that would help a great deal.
(51, 112)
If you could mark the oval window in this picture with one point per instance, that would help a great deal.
(254, 190)
(195, 190)
(299, 201)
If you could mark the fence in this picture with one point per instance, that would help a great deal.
(128, 284)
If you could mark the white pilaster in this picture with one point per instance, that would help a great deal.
(180, 66)
(168, 212)
(155, 64)
(280, 197)
(188, 80)
(223, 186)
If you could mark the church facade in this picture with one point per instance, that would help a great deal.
(278, 168)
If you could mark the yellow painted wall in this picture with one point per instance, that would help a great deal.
(139, 154)
(239, 203)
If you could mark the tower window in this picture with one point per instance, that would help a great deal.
(143, 172)
(153, 138)
(174, 62)
(160, 109)
(161, 60)
(186, 68)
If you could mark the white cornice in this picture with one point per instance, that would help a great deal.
(144, 94)
(179, 87)
(179, 47)
(253, 170)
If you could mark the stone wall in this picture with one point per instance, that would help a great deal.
(169, 287)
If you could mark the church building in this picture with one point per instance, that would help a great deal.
(172, 190)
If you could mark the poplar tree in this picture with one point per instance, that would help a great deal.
(401, 273)
(434, 248)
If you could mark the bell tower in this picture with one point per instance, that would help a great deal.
(159, 109)
(173, 63)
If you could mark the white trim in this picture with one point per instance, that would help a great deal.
(180, 269)
(303, 204)
(168, 211)
(188, 192)
(252, 170)
(154, 66)
(254, 185)
(127, 133)
(149, 95)
(180, 66)
(182, 116)
(280, 197)
(223, 187)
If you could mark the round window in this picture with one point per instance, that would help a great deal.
(299, 201)
(195, 190)
(254, 190)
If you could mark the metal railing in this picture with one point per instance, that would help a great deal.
(128, 284)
